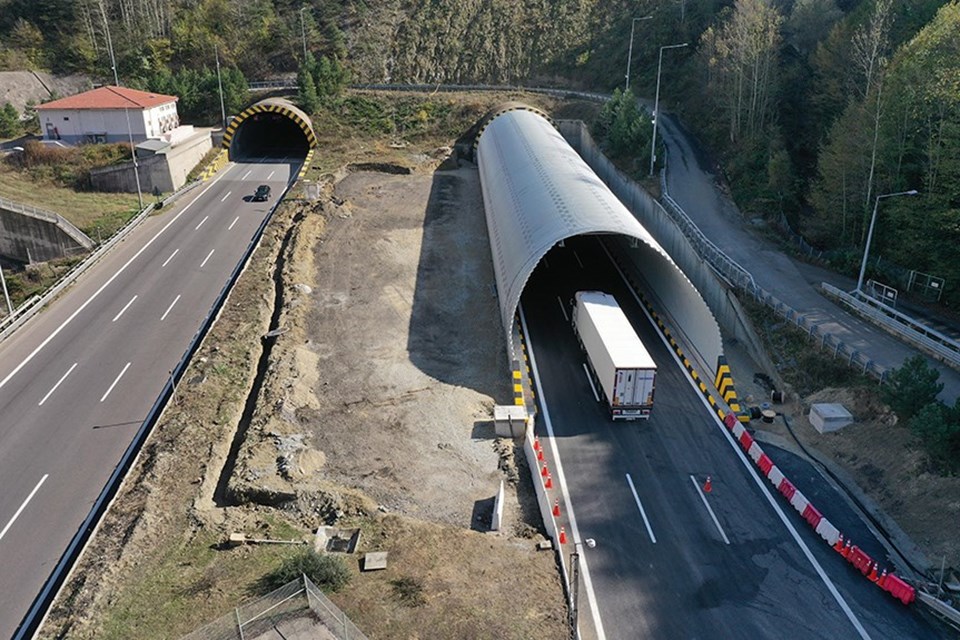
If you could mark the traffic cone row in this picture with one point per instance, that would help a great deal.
(845, 547)
(548, 484)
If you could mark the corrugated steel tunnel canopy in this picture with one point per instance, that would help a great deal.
(271, 127)
(537, 191)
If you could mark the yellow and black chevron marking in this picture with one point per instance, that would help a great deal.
(268, 108)
(704, 389)
(523, 393)
(512, 106)
(218, 162)
(724, 384)
(517, 384)
(306, 165)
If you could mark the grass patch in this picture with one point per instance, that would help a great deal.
(36, 279)
(798, 360)
(98, 215)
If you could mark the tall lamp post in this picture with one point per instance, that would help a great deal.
(575, 584)
(303, 32)
(116, 83)
(630, 51)
(873, 221)
(223, 110)
(5, 294)
(656, 104)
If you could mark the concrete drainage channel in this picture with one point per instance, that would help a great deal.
(58, 577)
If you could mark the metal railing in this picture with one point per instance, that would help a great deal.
(295, 600)
(49, 216)
(900, 324)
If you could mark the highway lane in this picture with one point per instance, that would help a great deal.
(77, 382)
(685, 580)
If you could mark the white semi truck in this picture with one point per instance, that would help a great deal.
(617, 358)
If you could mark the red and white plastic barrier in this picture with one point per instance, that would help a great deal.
(823, 527)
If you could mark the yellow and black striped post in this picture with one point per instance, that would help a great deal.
(517, 384)
(724, 385)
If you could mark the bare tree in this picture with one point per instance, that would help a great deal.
(870, 44)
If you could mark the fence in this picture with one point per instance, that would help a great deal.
(298, 600)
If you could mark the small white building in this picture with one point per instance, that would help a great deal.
(100, 115)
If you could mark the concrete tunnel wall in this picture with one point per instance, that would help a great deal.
(285, 112)
(538, 191)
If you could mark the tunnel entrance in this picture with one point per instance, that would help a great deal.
(272, 128)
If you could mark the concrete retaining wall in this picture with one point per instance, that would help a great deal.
(713, 286)
(30, 235)
(164, 171)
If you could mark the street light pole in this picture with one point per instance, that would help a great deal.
(656, 105)
(873, 221)
(223, 110)
(3, 281)
(126, 112)
(303, 32)
(633, 23)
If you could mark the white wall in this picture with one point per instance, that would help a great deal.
(74, 125)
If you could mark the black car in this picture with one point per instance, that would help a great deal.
(262, 193)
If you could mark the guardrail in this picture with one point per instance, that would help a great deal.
(49, 216)
(29, 308)
(918, 334)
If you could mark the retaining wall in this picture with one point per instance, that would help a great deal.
(164, 171)
(30, 235)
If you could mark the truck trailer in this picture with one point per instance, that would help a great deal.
(617, 358)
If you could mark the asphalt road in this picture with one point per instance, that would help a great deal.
(79, 379)
(675, 570)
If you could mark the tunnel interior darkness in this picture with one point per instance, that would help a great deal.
(272, 135)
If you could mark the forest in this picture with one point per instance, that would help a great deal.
(810, 108)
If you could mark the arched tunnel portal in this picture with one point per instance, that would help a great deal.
(273, 127)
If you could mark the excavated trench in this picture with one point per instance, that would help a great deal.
(222, 495)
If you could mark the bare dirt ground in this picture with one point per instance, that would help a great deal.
(371, 409)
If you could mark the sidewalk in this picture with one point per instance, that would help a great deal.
(693, 187)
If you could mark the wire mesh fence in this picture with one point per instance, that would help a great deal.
(298, 600)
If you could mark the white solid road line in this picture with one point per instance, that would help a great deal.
(164, 316)
(226, 196)
(246, 174)
(233, 223)
(643, 513)
(563, 309)
(167, 261)
(832, 588)
(590, 380)
(201, 223)
(115, 382)
(575, 255)
(207, 258)
(23, 506)
(696, 485)
(271, 175)
(56, 332)
(125, 307)
(561, 480)
(62, 378)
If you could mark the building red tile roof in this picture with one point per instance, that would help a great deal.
(110, 98)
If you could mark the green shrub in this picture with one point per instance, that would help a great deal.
(938, 428)
(912, 387)
(328, 572)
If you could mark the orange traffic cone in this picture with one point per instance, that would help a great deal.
(544, 472)
(563, 536)
(540, 454)
(708, 485)
(549, 482)
(839, 546)
(556, 507)
(882, 579)
(873, 577)
(536, 443)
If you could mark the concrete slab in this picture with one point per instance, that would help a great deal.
(375, 560)
(828, 417)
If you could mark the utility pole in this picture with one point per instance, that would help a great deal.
(656, 105)
(3, 281)
(633, 23)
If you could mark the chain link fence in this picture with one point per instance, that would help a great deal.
(298, 609)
